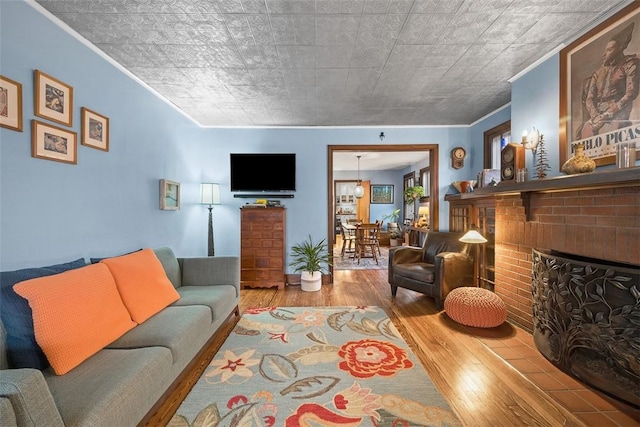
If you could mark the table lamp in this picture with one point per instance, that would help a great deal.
(423, 216)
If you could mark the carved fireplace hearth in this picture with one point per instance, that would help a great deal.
(586, 321)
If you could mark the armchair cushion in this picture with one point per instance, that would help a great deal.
(420, 271)
(442, 264)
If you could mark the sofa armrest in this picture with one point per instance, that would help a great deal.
(7, 416)
(454, 269)
(207, 271)
(30, 398)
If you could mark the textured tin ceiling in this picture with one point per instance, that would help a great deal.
(329, 62)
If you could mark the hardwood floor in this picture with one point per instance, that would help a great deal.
(465, 364)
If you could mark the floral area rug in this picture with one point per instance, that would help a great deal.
(348, 263)
(315, 366)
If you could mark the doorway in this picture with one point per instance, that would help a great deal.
(431, 183)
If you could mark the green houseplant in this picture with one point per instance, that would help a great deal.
(395, 233)
(413, 193)
(311, 259)
(393, 216)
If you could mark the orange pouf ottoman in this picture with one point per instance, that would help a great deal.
(476, 307)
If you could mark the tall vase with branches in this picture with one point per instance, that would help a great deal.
(542, 164)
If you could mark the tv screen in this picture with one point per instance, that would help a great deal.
(263, 172)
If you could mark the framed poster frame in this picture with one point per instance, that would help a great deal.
(590, 112)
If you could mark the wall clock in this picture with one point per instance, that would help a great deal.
(511, 159)
(457, 157)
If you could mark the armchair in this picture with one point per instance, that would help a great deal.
(441, 265)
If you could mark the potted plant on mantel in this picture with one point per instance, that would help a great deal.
(311, 259)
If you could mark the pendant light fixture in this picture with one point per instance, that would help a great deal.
(359, 190)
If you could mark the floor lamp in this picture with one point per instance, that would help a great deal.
(474, 238)
(210, 195)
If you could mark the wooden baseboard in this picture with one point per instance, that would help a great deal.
(168, 404)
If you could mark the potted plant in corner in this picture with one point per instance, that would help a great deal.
(311, 259)
(395, 234)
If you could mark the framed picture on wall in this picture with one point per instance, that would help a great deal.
(10, 104)
(382, 193)
(169, 195)
(95, 130)
(599, 82)
(53, 99)
(53, 143)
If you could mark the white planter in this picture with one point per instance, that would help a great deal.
(310, 282)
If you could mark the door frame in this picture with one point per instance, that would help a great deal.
(434, 186)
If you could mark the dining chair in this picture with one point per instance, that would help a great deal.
(367, 241)
(348, 239)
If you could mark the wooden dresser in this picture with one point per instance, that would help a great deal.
(262, 247)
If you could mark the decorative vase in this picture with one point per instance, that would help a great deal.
(579, 163)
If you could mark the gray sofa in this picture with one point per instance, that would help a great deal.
(121, 383)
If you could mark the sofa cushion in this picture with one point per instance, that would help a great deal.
(142, 283)
(94, 260)
(170, 264)
(75, 314)
(419, 271)
(183, 330)
(22, 348)
(112, 387)
(220, 299)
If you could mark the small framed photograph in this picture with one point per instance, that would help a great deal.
(95, 130)
(169, 195)
(53, 99)
(10, 104)
(53, 143)
(382, 193)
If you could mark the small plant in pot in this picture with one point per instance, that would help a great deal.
(395, 236)
(395, 233)
(311, 259)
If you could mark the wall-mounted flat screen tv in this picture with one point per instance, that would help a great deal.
(263, 172)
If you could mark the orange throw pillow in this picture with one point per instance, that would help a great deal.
(75, 314)
(142, 283)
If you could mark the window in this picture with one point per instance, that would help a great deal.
(409, 208)
(494, 141)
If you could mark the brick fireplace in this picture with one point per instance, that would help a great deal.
(601, 223)
(581, 235)
(594, 215)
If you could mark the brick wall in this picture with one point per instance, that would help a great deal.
(599, 223)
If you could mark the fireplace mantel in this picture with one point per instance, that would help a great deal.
(610, 178)
(607, 178)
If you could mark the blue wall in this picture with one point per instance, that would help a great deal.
(535, 103)
(108, 203)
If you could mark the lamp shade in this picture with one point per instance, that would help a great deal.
(472, 236)
(423, 210)
(209, 193)
(358, 191)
